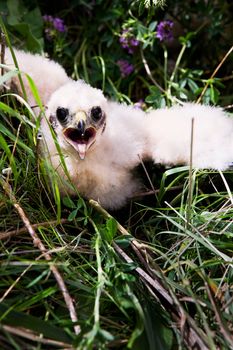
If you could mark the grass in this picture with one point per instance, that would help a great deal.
(156, 275)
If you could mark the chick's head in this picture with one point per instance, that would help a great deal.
(76, 112)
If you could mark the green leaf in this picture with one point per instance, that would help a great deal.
(8, 109)
(38, 297)
(33, 44)
(214, 94)
(68, 202)
(154, 96)
(192, 85)
(27, 23)
(127, 267)
(157, 335)
(73, 214)
(106, 335)
(124, 240)
(111, 226)
(38, 278)
(15, 10)
(35, 21)
(16, 318)
(152, 26)
(186, 40)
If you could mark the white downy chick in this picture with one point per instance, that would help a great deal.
(101, 142)
(98, 147)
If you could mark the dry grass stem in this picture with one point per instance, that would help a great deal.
(35, 337)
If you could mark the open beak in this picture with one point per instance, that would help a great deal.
(79, 136)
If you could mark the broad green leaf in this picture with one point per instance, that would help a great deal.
(73, 215)
(68, 202)
(35, 324)
(192, 85)
(214, 94)
(106, 335)
(124, 240)
(111, 226)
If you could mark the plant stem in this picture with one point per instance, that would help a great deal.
(175, 69)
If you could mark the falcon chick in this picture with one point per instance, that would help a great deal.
(94, 144)
(100, 142)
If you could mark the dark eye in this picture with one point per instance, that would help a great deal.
(62, 114)
(96, 113)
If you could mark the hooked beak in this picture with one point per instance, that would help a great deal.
(79, 136)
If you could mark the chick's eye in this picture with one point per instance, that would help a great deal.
(96, 113)
(62, 114)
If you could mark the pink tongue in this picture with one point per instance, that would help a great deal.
(81, 147)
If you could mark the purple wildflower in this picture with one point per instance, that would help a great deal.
(126, 68)
(58, 24)
(53, 25)
(134, 42)
(164, 30)
(128, 41)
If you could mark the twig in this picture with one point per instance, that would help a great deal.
(3, 44)
(190, 189)
(22, 230)
(100, 278)
(213, 75)
(38, 243)
(35, 337)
